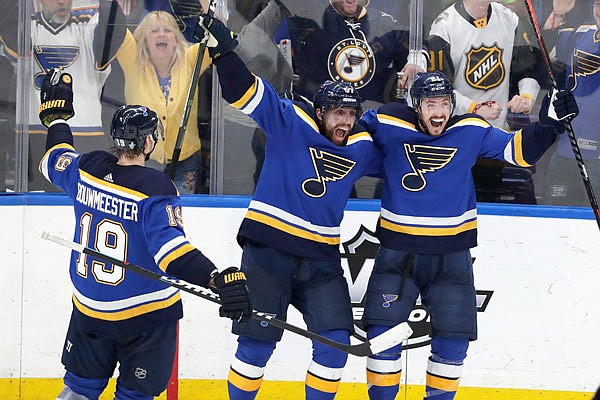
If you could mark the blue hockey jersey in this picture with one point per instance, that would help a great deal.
(580, 51)
(306, 180)
(131, 213)
(428, 201)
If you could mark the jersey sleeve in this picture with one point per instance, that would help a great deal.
(255, 97)
(60, 163)
(523, 147)
(172, 251)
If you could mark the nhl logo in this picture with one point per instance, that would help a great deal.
(484, 68)
(351, 60)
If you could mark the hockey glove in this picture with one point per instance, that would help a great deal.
(56, 97)
(558, 107)
(221, 40)
(235, 299)
(186, 13)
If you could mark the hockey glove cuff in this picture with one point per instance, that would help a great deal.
(56, 96)
(220, 39)
(235, 299)
(559, 106)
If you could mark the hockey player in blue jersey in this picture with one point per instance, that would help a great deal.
(132, 213)
(428, 222)
(291, 232)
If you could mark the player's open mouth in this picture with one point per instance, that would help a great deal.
(436, 122)
(340, 133)
(161, 44)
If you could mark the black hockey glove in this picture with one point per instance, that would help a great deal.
(231, 286)
(56, 97)
(186, 13)
(558, 107)
(221, 39)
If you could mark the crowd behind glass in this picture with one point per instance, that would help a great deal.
(230, 154)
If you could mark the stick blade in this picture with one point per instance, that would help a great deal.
(390, 338)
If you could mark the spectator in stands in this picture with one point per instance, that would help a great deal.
(346, 42)
(577, 67)
(158, 65)
(61, 37)
(481, 47)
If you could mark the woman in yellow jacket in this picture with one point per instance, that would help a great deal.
(157, 63)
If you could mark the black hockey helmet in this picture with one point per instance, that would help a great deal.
(130, 126)
(431, 84)
(337, 94)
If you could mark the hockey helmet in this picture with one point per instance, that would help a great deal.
(431, 84)
(337, 94)
(130, 126)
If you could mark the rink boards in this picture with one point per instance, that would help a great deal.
(536, 271)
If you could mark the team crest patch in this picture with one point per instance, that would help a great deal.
(584, 64)
(329, 168)
(424, 159)
(484, 68)
(352, 60)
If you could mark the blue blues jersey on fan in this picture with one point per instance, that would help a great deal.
(131, 213)
(428, 201)
(306, 180)
(579, 50)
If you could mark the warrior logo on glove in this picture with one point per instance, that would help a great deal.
(56, 97)
(230, 284)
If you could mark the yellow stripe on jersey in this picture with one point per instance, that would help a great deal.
(379, 379)
(445, 384)
(58, 146)
(180, 251)
(321, 384)
(292, 230)
(306, 118)
(247, 96)
(518, 146)
(389, 120)
(129, 313)
(244, 383)
(111, 187)
(428, 231)
(358, 137)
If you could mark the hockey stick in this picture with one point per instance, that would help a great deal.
(388, 339)
(189, 99)
(569, 127)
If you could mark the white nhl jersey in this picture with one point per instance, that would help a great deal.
(480, 56)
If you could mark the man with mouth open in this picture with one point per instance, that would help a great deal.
(428, 222)
(291, 232)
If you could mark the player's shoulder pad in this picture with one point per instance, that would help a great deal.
(154, 183)
(468, 119)
(305, 106)
(94, 160)
(399, 110)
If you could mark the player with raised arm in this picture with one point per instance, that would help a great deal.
(428, 222)
(291, 232)
(131, 213)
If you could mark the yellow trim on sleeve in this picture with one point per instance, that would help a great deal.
(518, 146)
(180, 251)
